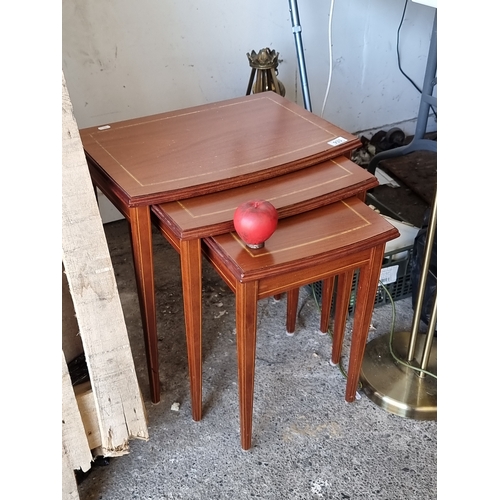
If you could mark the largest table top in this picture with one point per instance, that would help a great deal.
(209, 148)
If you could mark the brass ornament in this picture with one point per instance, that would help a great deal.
(264, 64)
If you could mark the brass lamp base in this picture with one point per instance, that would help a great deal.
(395, 387)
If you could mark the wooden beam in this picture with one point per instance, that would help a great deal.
(75, 451)
(87, 263)
(86, 405)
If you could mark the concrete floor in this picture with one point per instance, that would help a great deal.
(308, 443)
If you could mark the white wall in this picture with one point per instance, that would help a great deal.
(368, 91)
(127, 58)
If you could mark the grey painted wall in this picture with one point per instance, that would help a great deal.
(127, 58)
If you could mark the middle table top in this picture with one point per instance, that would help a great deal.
(209, 148)
(293, 193)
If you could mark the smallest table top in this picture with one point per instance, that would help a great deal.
(327, 233)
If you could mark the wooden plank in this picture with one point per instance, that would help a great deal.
(118, 400)
(71, 341)
(75, 451)
(69, 486)
(86, 405)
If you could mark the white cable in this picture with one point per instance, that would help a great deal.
(331, 56)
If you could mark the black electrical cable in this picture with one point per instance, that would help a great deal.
(399, 56)
(398, 53)
(391, 335)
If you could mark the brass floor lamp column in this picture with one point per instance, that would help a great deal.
(388, 376)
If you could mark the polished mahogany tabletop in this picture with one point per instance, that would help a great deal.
(212, 147)
(331, 232)
(293, 193)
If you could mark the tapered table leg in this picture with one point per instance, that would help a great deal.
(246, 338)
(368, 280)
(292, 301)
(344, 287)
(326, 303)
(142, 244)
(190, 254)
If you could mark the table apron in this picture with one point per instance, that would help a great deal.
(109, 189)
(279, 284)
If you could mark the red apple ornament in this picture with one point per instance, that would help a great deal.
(255, 221)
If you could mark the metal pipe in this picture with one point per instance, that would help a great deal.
(431, 231)
(428, 341)
(297, 29)
(418, 143)
(427, 100)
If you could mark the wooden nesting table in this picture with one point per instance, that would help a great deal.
(332, 240)
(196, 151)
(185, 223)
